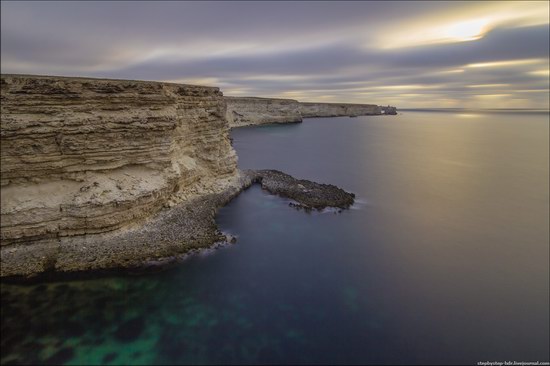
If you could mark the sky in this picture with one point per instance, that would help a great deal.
(432, 54)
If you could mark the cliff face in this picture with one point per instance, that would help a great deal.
(309, 110)
(244, 111)
(87, 166)
(82, 156)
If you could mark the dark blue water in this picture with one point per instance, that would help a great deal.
(444, 258)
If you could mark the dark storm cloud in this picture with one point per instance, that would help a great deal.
(330, 50)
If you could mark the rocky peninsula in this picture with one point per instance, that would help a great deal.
(101, 174)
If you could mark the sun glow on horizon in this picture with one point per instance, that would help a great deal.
(466, 31)
(468, 24)
(462, 31)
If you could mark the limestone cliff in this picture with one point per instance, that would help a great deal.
(309, 110)
(81, 156)
(244, 111)
(88, 166)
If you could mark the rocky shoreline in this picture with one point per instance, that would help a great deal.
(166, 238)
(103, 174)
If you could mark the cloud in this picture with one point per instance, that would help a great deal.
(326, 50)
(498, 45)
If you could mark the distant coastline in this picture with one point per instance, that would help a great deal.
(492, 110)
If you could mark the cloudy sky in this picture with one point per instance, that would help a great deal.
(409, 54)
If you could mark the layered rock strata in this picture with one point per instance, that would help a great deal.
(245, 111)
(85, 156)
(103, 174)
(166, 237)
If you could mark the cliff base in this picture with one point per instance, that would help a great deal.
(165, 238)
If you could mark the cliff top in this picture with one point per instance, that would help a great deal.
(81, 78)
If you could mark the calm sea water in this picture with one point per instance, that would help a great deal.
(444, 258)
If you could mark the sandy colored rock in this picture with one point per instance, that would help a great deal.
(81, 156)
(165, 237)
(107, 174)
(245, 111)
(309, 110)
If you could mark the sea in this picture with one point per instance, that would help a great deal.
(443, 258)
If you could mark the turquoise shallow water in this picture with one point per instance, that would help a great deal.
(444, 258)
